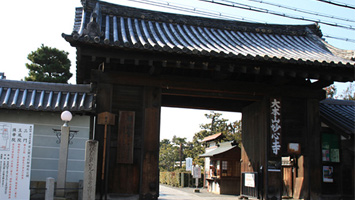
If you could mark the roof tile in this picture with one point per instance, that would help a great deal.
(45, 96)
(121, 26)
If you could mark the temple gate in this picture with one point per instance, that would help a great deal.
(140, 60)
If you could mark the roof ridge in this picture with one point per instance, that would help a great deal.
(45, 86)
(163, 16)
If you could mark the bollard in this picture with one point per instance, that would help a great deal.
(182, 180)
(89, 187)
(49, 195)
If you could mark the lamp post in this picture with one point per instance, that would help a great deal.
(66, 116)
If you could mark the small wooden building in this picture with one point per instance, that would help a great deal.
(337, 142)
(222, 166)
(139, 60)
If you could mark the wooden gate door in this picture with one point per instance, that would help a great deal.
(287, 178)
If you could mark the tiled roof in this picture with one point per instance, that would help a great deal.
(223, 147)
(339, 114)
(25, 95)
(118, 26)
(212, 137)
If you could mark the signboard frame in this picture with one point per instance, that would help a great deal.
(15, 160)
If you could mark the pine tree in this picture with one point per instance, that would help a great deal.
(48, 65)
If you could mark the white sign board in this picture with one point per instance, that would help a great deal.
(188, 164)
(249, 180)
(196, 172)
(15, 160)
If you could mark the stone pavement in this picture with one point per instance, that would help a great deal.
(168, 193)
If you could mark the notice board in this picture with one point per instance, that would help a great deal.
(15, 160)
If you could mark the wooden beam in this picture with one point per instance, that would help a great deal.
(231, 68)
(206, 85)
(205, 65)
(204, 103)
(178, 63)
(213, 95)
(192, 65)
(164, 63)
(305, 70)
(150, 63)
(256, 70)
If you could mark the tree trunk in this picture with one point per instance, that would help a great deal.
(180, 155)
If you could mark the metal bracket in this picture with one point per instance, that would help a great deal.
(58, 133)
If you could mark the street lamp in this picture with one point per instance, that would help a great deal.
(66, 116)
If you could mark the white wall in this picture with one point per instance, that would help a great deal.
(45, 151)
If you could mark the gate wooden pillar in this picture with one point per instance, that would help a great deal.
(149, 186)
(254, 146)
(104, 104)
(313, 164)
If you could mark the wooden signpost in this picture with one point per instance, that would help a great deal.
(105, 118)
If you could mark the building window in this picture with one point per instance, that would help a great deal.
(224, 168)
(224, 165)
(330, 148)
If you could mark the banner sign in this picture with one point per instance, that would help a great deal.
(15, 160)
(275, 108)
(188, 164)
(196, 171)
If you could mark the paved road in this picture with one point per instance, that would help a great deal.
(168, 193)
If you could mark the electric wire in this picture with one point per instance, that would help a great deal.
(336, 3)
(339, 38)
(180, 7)
(262, 10)
(203, 12)
(303, 11)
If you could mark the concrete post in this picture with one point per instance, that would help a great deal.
(63, 159)
(91, 151)
(49, 195)
(182, 180)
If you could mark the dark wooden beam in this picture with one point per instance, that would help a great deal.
(178, 64)
(204, 103)
(208, 85)
(212, 95)
(250, 65)
(192, 65)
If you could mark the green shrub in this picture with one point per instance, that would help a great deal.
(174, 179)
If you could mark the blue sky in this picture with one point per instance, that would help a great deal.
(28, 24)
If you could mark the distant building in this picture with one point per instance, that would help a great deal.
(222, 165)
(337, 142)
